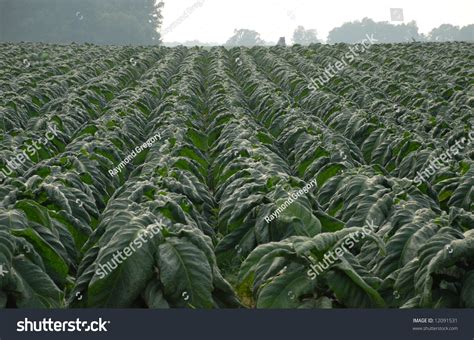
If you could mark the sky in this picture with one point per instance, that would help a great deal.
(215, 20)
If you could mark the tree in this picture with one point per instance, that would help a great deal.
(305, 37)
(245, 37)
(448, 32)
(384, 32)
(92, 21)
(466, 33)
(445, 32)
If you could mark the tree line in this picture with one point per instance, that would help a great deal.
(138, 22)
(91, 21)
(353, 32)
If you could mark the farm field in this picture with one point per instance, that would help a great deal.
(153, 177)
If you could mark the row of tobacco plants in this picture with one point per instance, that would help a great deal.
(241, 131)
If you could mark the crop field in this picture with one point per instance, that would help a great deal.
(153, 177)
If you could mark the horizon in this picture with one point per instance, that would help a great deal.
(188, 20)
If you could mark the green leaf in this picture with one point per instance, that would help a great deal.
(185, 273)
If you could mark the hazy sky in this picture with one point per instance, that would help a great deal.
(215, 20)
